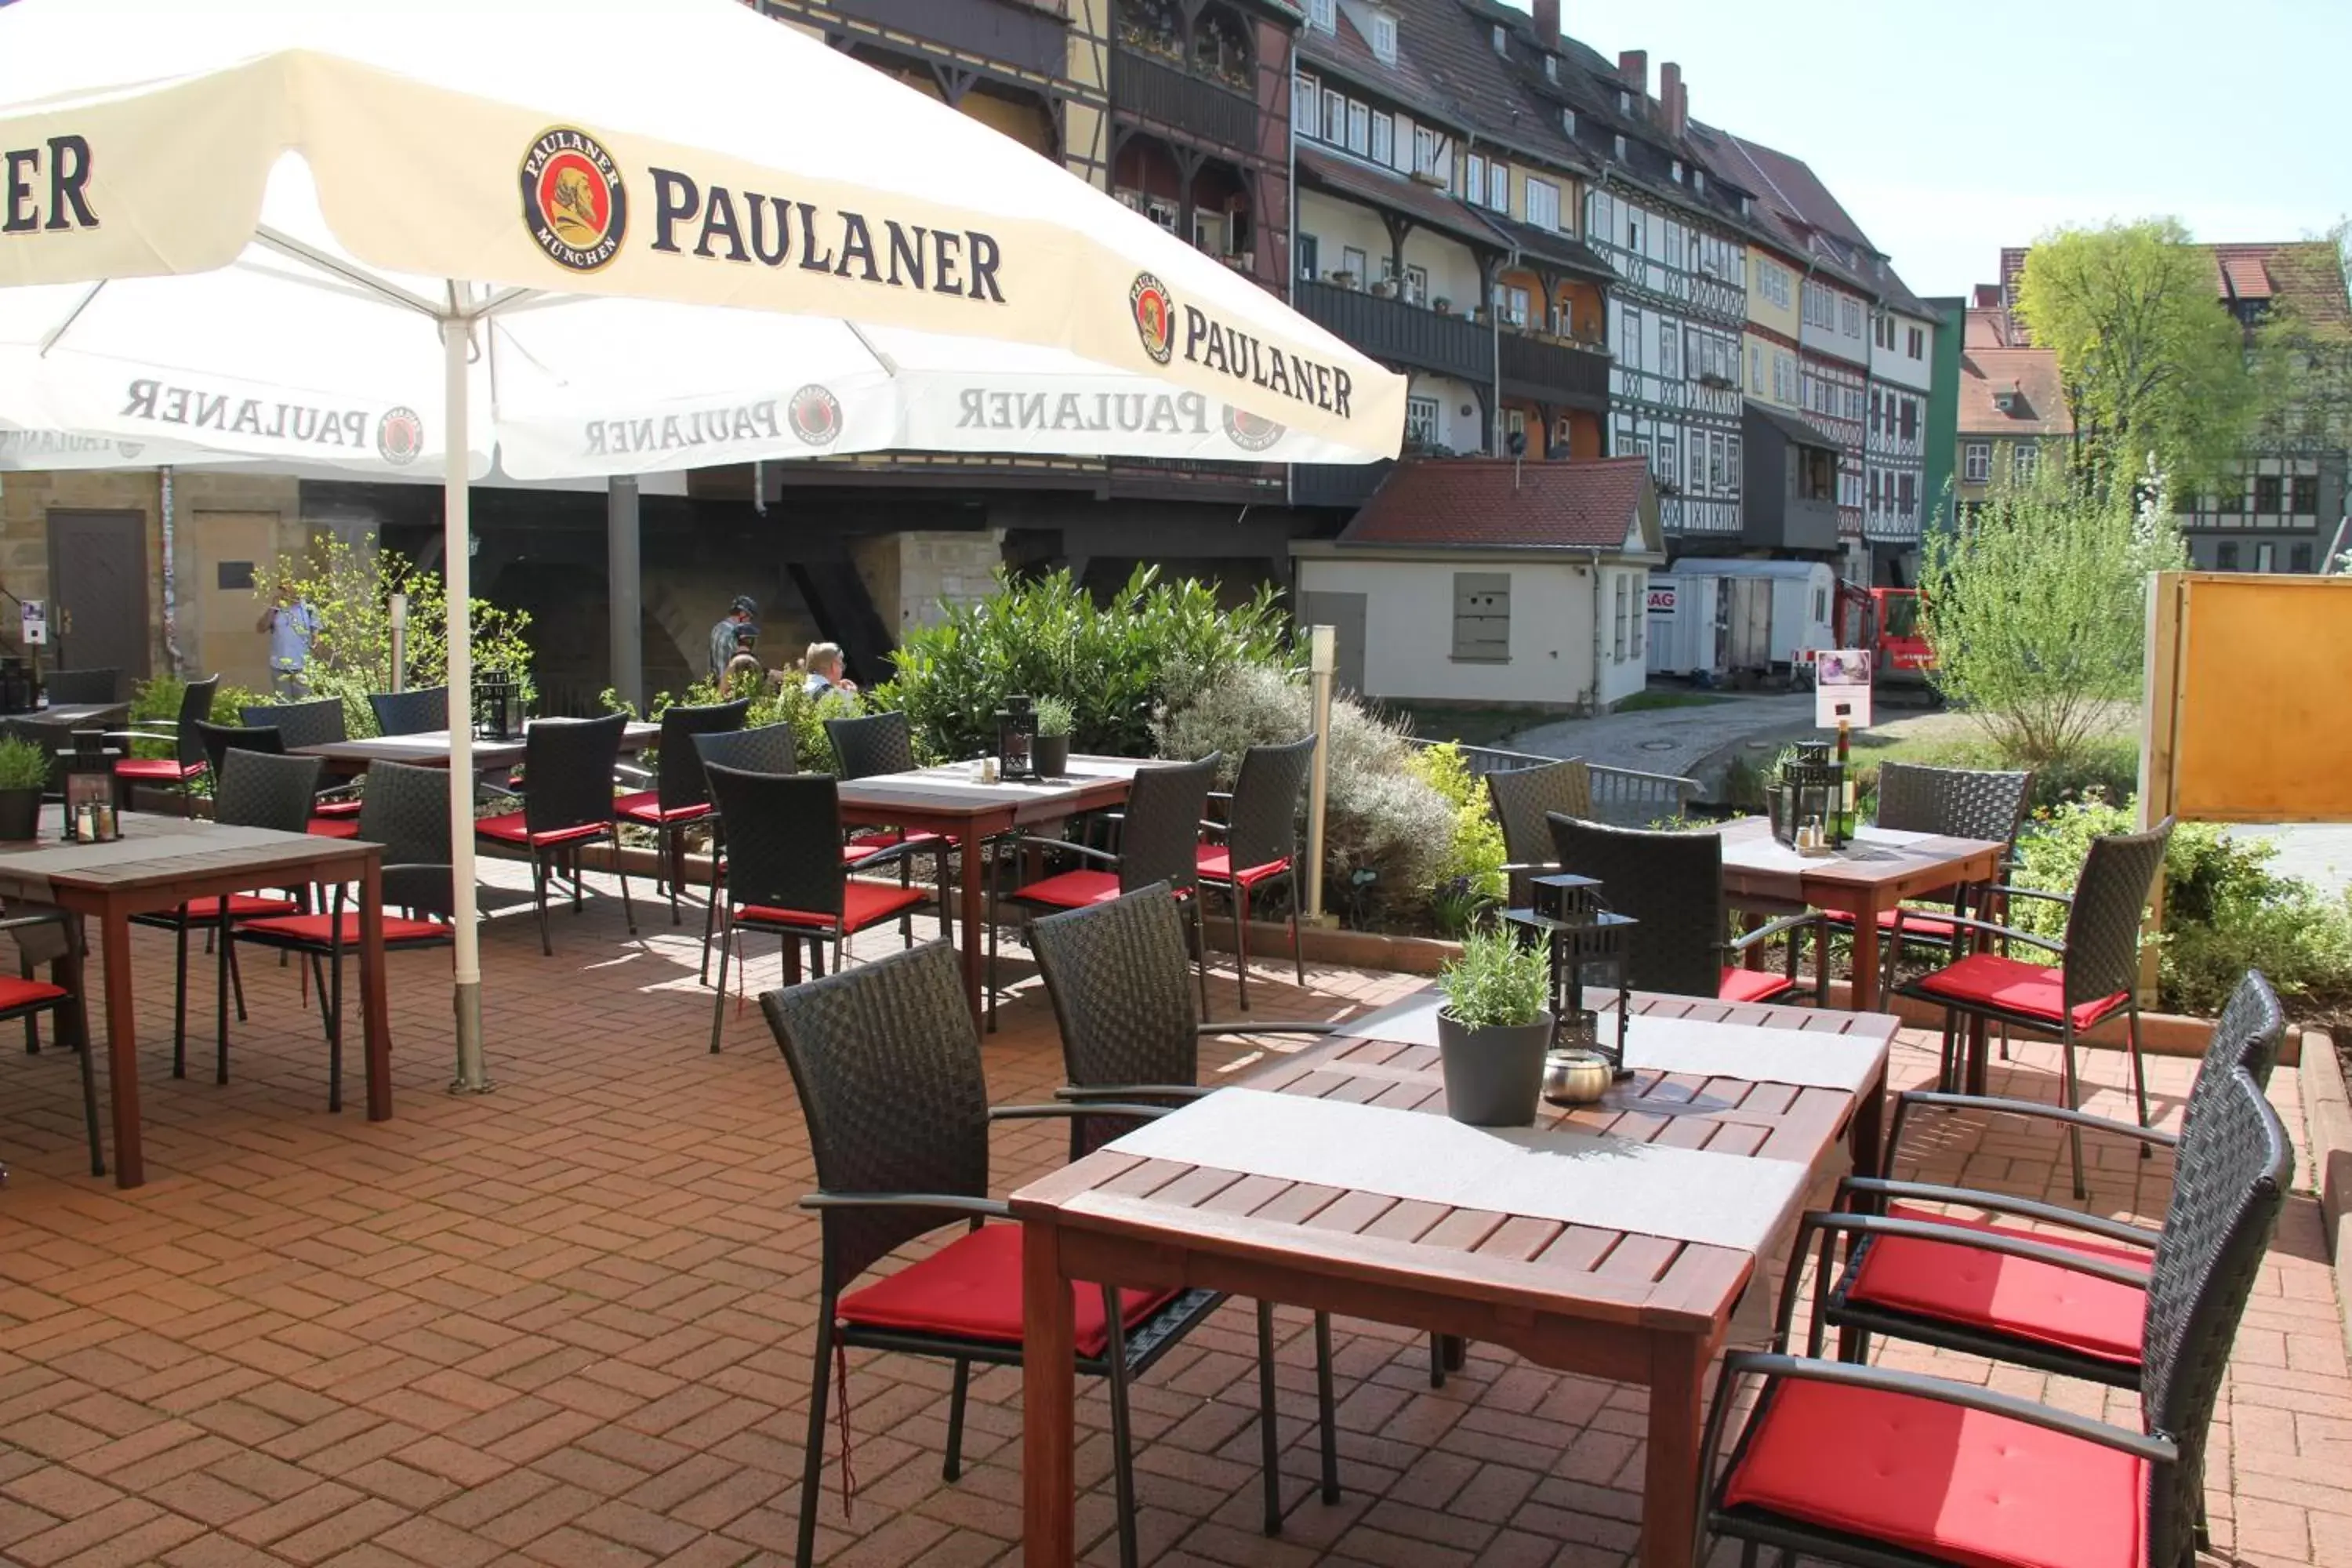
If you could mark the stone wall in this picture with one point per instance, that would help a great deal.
(957, 568)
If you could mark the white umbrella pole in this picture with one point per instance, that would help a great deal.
(473, 1078)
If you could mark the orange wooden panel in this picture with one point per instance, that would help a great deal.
(2262, 736)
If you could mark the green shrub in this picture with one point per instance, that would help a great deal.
(770, 704)
(1471, 880)
(1498, 982)
(1115, 664)
(350, 587)
(1387, 833)
(1055, 717)
(23, 764)
(155, 705)
(2225, 911)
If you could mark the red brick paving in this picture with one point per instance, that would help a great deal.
(569, 1323)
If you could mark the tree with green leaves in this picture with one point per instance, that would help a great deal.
(2304, 347)
(2154, 366)
(350, 587)
(2035, 608)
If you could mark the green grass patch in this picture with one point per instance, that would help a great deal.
(1667, 697)
(1470, 726)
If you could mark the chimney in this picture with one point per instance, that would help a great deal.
(1633, 70)
(1681, 109)
(1670, 89)
(1548, 23)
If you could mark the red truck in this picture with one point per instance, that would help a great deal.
(1886, 622)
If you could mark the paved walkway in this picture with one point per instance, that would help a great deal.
(2318, 852)
(1667, 740)
(569, 1323)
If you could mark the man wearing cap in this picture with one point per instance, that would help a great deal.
(722, 636)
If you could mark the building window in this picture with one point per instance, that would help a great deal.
(1678, 170)
(2264, 555)
(1421, 416)
(2298, 558)
(1731, 465)
(2307, 494)
(2266, 496)
(1335, 118)
(1356, 265)
(1629, 337)
(1907, 487)
(1514, 423)
(1634, 234)
(1910, 412)
(2225, 555)
(1383, 139)
(1511, 303)
(1915, 343)
(1502, 39)
(1714, 468)
(1669, 347)
(1621, 149)
(1698, 181)
(1482, 617)
(1568, 122)
(1322, 15)
(1424, 150)
(1976, 462)
(1359, 128)
(1850, 317)
(1551, 68)
(2024, 459)
(1821, 305)
(1499, 186)
(1209, 232)
(1416, 285)
(1543, 204)
(1699, 463)
(1474, 178)
(1305, 249)
(1384, 37)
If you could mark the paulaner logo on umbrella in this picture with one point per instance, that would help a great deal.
(399, 436)
(814, 414)
(1154, 316)
(1251, 432)
(573, 199)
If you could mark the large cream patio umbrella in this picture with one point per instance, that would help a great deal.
(577, 238)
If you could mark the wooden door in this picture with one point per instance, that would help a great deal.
(233, 574)
(97, 592)
(1344, 613)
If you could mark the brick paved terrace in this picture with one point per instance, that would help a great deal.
(569, 1323)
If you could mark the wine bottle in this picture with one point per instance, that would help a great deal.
(1843, 833)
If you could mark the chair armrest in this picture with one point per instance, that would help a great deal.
(953, 1202)
(171, 735)
(1938, 1099)
(1078, 1093)
(1211, 1031)
(1771, 929)
(1068, 1110)
(1967, 1396)
(1211, 826)
(1993, 927)
(2010, 889)
(1983, 1240)
(1026, 842)
(1999, 1203)
(633, 774)
(890, 856)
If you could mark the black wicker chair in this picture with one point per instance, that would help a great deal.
(72, 687)
(1260, 842)
(680, 794)
(186, 763)
(770, 749)
(785, 876)
(416, 712)
(570, 765)
(254, 784)
(26, 998)
(878, 743)
(1131, 1034)
(1672, 884)
(1522, 799)
(887, 1067)
(318, 722)
(1963, 1291)
(2097, 974)
(1158, 841)
(406, 810)
(1958, 803)
(1875, 1467)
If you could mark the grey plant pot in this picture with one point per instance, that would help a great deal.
(20, 814)
(1052, 756)
(1493, 1077)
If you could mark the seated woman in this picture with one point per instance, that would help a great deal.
(823, 667)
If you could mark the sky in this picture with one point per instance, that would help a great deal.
(1951, 129)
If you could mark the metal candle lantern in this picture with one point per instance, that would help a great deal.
(18, 693)
(1583, 936)
(497, 706)
(1812, 792)
(1016, 739)
(88, 772)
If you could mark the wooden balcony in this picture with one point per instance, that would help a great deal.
(1146, 87)
(1554, 371)
(1397, 333)
(1004, 30)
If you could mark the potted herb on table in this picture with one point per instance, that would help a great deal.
(1054, 721)
(1493, 1029)
(24, 774)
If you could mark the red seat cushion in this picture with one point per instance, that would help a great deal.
(645, 807)
(16, 994)
(241, 905)
(334, 826)
(1752, 985)
(1957, 1486)
(164, 768)
(971, 1289)
(891, 837)
(1217, 866)
(336, 809)
(319, 930)
(1956, 1283)
(862, 904)
(510, 830)
(2013, 985)
(1072, 889)
(1920, 924)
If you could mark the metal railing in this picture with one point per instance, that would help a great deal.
(1624, 798)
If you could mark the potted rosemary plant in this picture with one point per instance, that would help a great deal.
(1054, 723)
(1493, 1029)
(24, 774)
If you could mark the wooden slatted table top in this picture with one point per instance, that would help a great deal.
(1877, 858)
(1538, 1265)
(156, 850)
(430, 748)
(951, 788)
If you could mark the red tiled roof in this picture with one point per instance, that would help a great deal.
(1481, 503)
(2032, 375)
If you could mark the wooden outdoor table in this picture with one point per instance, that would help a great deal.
(162, 862)
(1619, 1304)
(1869, 877)
(948, 800)
(430, 749)
(60, 721)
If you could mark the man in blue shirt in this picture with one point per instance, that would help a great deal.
(722, 636)
(291, 624)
